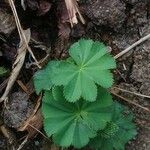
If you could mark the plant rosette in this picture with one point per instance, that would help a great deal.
(117, 132)
(74, 123)
(88, 66)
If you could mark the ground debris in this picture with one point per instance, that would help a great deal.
(18, 109)
(105, 13)
(7, 22)
(41, 7)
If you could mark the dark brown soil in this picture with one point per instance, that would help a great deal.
(21, 106)
(117, 23)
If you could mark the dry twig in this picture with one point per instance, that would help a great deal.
(130, 102)
(3, 84)
(16, 66)
(20, 30)
(23, 143)
(23, 87)
(72, 7)
(138, 94)
(132, 46)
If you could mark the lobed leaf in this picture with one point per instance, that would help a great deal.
(42, 78)
(74, 123)
(89, 65)
(117, 132)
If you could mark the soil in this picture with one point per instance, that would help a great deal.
(117, 23)
(21, 106)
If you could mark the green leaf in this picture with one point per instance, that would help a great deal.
(64, 73)
(57, 92)
(42, 78)
(117, 132)
(2, 71)
(89, 65)
(74, 123)
(72, 91)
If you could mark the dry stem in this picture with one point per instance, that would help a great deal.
(130, 102)
(132, 46)
(138, 94)
(20, 30)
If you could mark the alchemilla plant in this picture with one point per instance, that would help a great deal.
(77, 107)
(117, 132)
